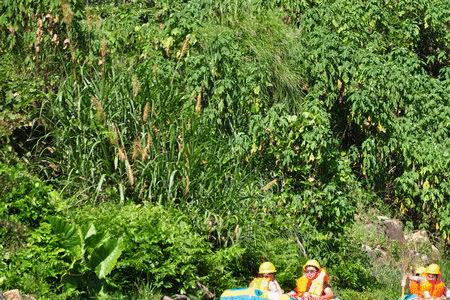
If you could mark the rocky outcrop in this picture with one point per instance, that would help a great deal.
(420, 242)
(386, 243)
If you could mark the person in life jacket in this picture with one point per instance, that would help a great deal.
(414, 283)
(266, 280)
(313, 284)
(433, 287)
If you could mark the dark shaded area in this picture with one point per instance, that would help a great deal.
(30, 139)
(433, 51)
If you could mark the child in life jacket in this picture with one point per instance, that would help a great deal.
(431, 285)
(313, 284)
(266, 280)
(414, 283)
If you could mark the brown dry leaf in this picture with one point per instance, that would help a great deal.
(269, 185)
(198, 104)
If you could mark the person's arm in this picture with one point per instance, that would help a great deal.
(274, 286)
(414, 278)
(328, 293)
(403, 283)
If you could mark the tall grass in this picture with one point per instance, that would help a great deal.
(135, 131)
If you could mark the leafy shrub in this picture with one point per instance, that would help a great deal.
(38, 266)
(224, 268)
(26, 201)
(93, 255)
(159, 245)
(62, 258)
(31, 257)
(18, 98)
(355, 275)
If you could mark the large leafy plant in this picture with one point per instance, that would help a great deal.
(158, 245)
(93, 255)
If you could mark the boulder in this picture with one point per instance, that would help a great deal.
(366, 248)
(380, 253)
(12, 295)
(418, 237)
(207, 293)
(392, 228)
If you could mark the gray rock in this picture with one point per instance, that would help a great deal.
(374, 253)
(392, 228)
(380, 253)
(418, 237)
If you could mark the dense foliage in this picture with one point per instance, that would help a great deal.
(191, 140)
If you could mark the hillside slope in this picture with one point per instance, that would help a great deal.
(184, 142)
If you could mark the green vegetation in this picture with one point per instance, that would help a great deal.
(150, 147)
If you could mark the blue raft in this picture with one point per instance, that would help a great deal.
(244, 294)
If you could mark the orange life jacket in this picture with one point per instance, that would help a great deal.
(436, 290)
(315, 286)
(414, 288)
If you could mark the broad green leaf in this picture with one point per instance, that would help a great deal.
(69, 234)
(104, 258)
(91, 231)
(92, 238)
